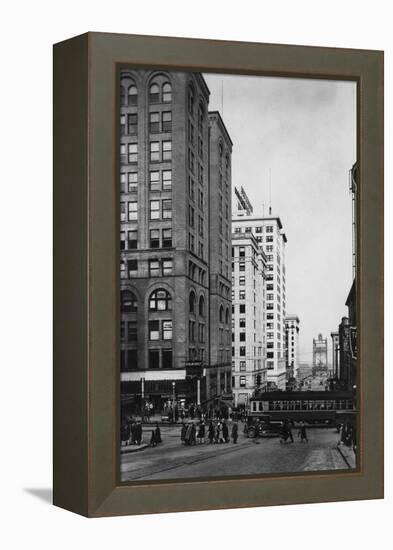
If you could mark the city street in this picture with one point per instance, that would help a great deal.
(171, 460)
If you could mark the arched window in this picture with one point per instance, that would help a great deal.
(191, 101)
(201, 116)
(191, 302)
(227, 316)
(132, 95)
(167, 92)
(220, 152)
(201, 306)
(154, 93)
(129, 302)
(227, 163)
(160, 300)
(221, 314)
(122, 96)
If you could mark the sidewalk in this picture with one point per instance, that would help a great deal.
(133, 448)
(348, 455)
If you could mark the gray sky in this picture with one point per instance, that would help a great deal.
(304, 131)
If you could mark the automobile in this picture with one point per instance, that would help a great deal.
(265, 428)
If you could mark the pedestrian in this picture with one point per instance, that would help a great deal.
(138, 432)
(188, 436)
(125, 433)
(193, 434)
(284, 433)
(158, 434)
(153, 442)
(183, 433)
(289, 430)
(133, 436)
(201, 433)
(211, 432)
(303, 433)
(225, 432)
(219, 438)
(234, 432)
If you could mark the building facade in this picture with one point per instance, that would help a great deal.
(335, 354)
(218, 374)
(249, 371)
(271, 239)
(319, 355)
(165, 336)
(292, 327)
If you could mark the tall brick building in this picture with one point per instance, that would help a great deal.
(172, 290)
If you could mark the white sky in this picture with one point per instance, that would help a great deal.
(304, 132)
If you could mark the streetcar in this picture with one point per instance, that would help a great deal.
(312, 407)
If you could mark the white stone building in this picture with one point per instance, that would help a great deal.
(268, 232)
(248, 304)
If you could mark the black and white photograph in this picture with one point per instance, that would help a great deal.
(238, 262)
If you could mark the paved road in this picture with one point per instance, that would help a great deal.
(171, 460)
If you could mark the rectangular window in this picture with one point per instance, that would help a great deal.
(154, 238)
(154, 330)
(167, 180)
(154, 151)
(242, 308)
(122, 330)
(132, 266)
(154, 178)
(132, 182)
(242, 323)
(132, 359)
(190, 216)
(154, 268)
(123, 153)
(154, 359)
(167, 330)
(154, 123)
(133, 123)
(242, 381)
(166, 118)
(167, 151)
(166, 238)
(132, 334)
(191, 160)
(242, 351)
(242, 266)
(242, 337)
(242, 365)
(132, 239)
(167, 209)
(242, 252)
(154, 210)
(132, 153)
(167, 267)
(122, 182)
(166, 358)
(242, 294)
(122, 240)
(122, 125)
(242, 280)
(132, 211)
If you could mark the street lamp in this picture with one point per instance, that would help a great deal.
(173, 400)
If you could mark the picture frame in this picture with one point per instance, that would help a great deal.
(86, 269)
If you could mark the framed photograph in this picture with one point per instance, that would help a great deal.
(218, 274)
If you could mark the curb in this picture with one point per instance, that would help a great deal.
(134, 448)
(345, 458)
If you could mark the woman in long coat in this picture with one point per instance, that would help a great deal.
(183, 433)
(201, 432)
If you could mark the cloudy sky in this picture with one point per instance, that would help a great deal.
(303, 133)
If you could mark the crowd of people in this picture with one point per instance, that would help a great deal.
(210, 432)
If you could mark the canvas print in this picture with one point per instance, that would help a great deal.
(238, 334)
